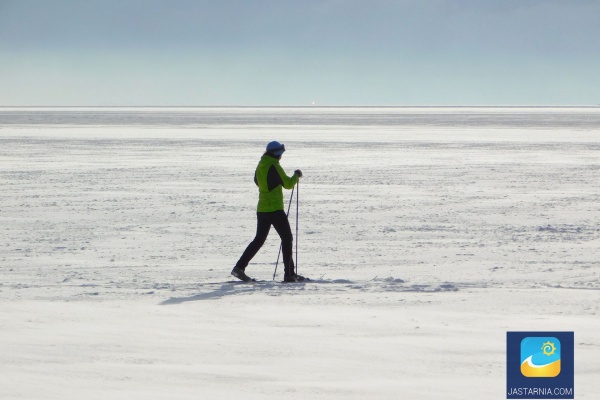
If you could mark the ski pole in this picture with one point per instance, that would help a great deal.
(297, 206)
(280, 246)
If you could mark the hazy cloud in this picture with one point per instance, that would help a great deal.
(360, 49)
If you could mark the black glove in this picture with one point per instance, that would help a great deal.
(298, 172)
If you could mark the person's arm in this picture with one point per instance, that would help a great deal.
(286, 181)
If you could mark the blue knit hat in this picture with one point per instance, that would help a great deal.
(275, 148)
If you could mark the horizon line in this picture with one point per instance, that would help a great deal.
(304, 106)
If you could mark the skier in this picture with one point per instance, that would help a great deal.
(270, 178)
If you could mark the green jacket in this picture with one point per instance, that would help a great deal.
(270, 178)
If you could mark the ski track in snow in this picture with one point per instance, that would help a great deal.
(424, 229)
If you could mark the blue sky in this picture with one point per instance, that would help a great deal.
(280, 52)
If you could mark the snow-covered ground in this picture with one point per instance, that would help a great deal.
(430, 232)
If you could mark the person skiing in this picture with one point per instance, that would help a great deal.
(270, 179)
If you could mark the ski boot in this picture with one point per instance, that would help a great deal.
(240, 274)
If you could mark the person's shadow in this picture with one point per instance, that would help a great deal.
(225, 289)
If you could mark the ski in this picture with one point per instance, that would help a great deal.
(305, 280)
(262, 281)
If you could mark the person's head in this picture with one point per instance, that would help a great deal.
(275, 149)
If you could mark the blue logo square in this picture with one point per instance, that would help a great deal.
(540, 357)
(540, 365)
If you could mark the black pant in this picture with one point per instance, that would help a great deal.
(264, 221)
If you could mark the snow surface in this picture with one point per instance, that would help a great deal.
(431, 232)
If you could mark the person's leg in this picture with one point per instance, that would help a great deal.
(263, 225)
(282, 226)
